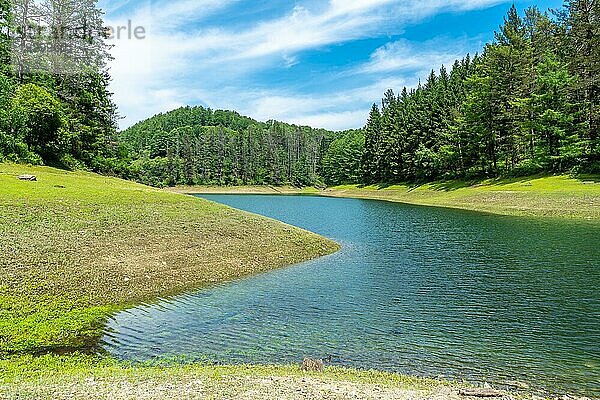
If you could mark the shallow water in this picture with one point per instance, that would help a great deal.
(424, 291)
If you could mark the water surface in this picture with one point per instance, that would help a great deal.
(417, 290)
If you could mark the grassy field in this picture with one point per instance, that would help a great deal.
(546, 196)
(77, 246)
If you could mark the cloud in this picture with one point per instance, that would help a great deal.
(403, 55)
(336, 110)
(188, 58)
(337, 121)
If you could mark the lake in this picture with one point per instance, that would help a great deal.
(417, 290)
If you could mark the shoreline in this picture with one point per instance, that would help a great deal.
(78, 247)
(66, 377)
(554, 197)
(71, 213)
(82, 376)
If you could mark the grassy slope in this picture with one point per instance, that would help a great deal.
(554, 196)
(77, 246)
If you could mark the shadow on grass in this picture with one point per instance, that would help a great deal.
(452, 185)
(386, 185)
(510, 180)
(446, 186)
(587, 178)
(456, 184)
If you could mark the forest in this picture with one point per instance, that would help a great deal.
(528, 104)
(199, 146)
(52, 113)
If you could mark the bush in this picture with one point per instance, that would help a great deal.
(43, 121)
(14, 150)
(527, 168)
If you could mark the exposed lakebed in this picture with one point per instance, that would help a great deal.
(417, 290)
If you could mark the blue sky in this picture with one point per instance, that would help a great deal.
(310, 62)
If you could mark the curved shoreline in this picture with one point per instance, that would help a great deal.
(557, 197)
(70, 215)
(78, 246)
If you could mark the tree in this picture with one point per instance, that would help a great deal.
(370, 158)
(581, 38)
(553, 114)
(195, 145)
(5, 44)
(342, 162)
(508, 63)
(43, 122)
(59, 58)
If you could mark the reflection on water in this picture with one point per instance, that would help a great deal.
(423, 291)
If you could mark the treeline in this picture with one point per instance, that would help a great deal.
(528, 104)
(55, 107)
(199, 146)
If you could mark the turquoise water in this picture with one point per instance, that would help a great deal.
(423, 291)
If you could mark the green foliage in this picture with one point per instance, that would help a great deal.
(49, 326)
(90, 118)
(61, 119)
(528, 104)
(12, 127)
(580, 44)
(342, 161)
(370, 161)
(5, 20)
(43, 121)
(195, 145)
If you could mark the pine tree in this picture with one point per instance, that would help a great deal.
(479, 122)
(553, 114)
(370, 160)
(509, 61)
(581, 38)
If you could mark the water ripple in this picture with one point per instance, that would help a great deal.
(423, 291)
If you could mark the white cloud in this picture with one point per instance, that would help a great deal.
(403, 55)
(183, 62)
(337, 121)
(339, 110)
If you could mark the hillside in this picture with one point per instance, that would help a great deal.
(77, 246)
(199, 146)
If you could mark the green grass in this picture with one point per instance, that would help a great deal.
(77, 247)
(542, 196)
(538, 196)
(74, 367)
